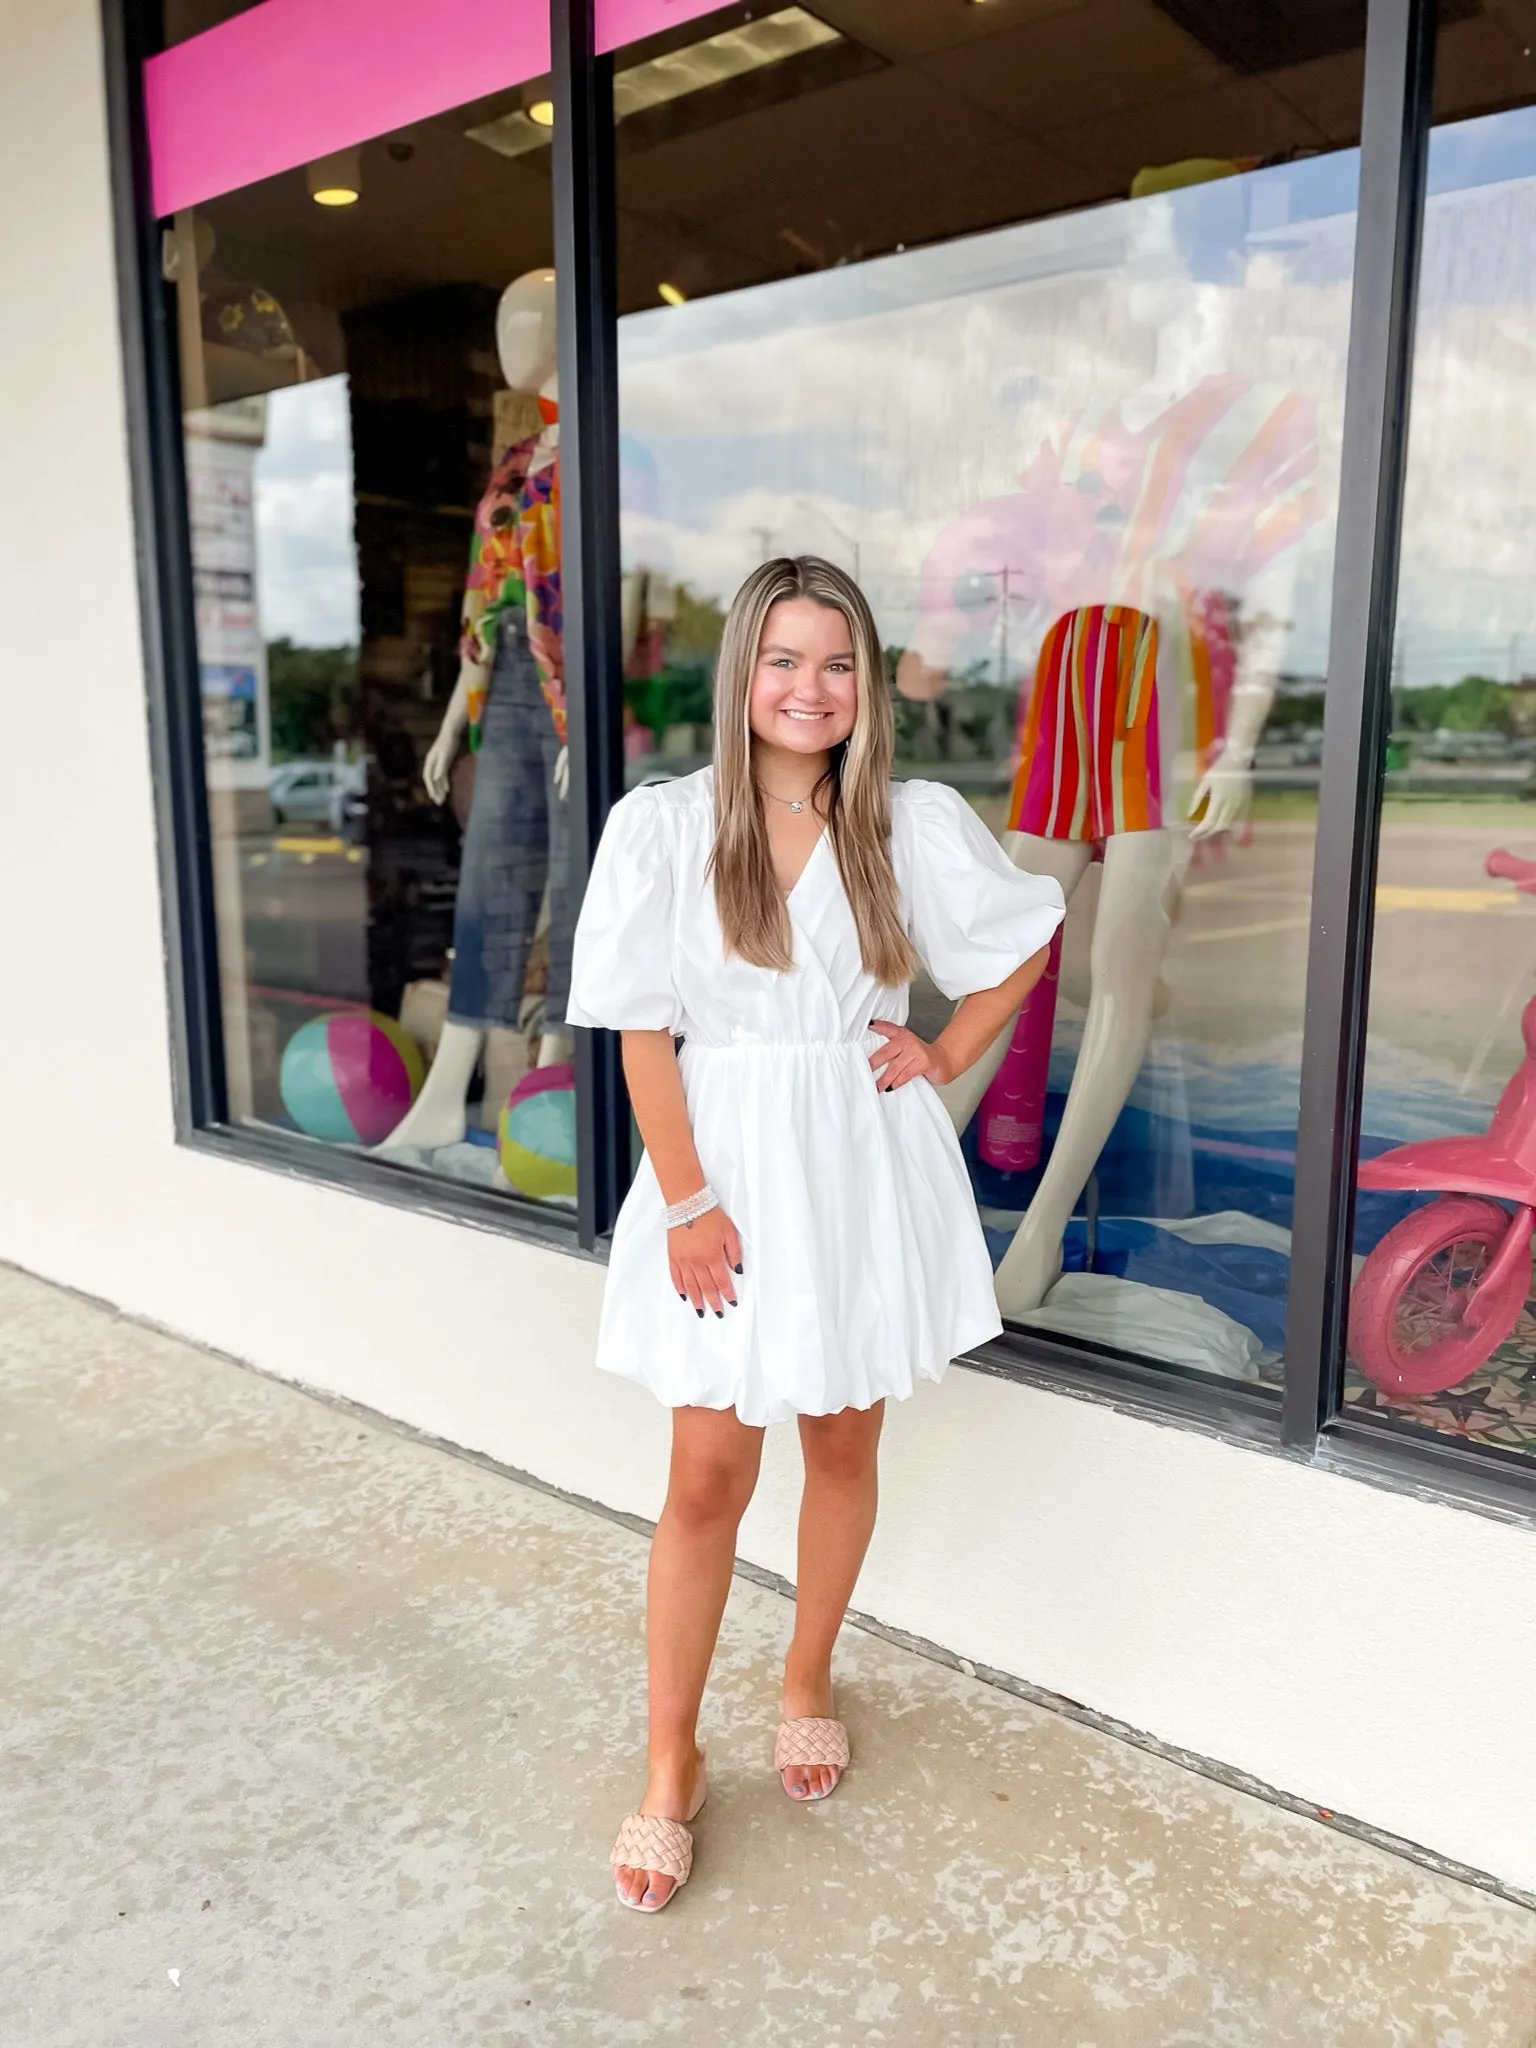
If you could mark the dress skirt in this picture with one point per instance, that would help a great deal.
(864, 1270)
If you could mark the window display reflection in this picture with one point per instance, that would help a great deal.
(372, 459)
(1442, 1328)
(1150, 557)
(1086, 470)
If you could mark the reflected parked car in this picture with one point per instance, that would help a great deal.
(301, 791)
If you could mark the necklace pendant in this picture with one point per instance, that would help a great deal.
(797, 805)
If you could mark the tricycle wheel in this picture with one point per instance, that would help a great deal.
(1408, 1328)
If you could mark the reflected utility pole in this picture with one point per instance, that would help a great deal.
(847, 539)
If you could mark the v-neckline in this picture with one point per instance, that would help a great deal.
(805, 867)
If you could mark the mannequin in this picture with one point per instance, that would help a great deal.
(510, 656)
(1180, 503)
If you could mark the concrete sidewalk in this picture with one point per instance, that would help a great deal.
(317, 1736)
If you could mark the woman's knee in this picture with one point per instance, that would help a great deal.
(714, 1466)
(710, 1492)
(841, 1450)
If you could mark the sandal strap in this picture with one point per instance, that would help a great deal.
(647, 1841)
(811, 1741)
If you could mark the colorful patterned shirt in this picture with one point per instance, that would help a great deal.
(515, 560)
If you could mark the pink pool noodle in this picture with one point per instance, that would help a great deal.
(1012, 1111)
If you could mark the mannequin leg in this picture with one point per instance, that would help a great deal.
(502, 876)
(1128, 945)
(555, 1049)
(437, 1116)
(1065, 859)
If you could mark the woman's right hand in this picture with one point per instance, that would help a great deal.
(704, 1257)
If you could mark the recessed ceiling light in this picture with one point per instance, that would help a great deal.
(335, 180)
(542, 113)
(672, 295)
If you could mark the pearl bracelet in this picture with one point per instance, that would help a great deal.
(688, 1211)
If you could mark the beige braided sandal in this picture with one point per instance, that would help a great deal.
(810, 1742)
(649, 1841)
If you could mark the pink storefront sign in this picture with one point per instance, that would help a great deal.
(291, 80)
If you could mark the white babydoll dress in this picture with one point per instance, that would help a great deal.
(865, 1266)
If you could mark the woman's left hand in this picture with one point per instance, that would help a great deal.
(905, 1057)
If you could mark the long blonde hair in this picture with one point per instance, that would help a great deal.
(751, 907)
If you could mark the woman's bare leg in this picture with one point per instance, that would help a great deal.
(837, 1519)
(714, 1469)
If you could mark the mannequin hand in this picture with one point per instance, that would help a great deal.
(438, 766)
(563, 773)
(1225, 790)
(905, 1057)
(703, 1256)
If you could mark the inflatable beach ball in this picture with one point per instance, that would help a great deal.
(538, 1134)
(350, 1076)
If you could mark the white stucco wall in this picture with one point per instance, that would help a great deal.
(1346, 1644)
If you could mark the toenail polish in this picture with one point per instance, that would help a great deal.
(736, 1269)
(701, 1312)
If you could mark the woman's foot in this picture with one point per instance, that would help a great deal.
(673, 1791)
(808, 1697)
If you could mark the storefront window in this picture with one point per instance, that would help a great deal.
(1442, 1333)
(1038, 325)
(368, 373)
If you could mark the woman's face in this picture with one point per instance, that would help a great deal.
(804, 686)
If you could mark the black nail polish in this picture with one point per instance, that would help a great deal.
(701, 1313)
(720, 1312)
(681, 1296)
(735, 1269)
(734, 1302)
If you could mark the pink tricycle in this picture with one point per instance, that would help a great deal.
(1444, 1288)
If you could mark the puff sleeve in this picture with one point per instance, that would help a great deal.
(975, 917)
(621, 969)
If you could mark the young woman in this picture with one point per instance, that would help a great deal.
(800, 1239)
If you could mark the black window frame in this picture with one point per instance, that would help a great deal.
(1310, 1422)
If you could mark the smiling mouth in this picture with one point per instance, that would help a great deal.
(808, 716)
